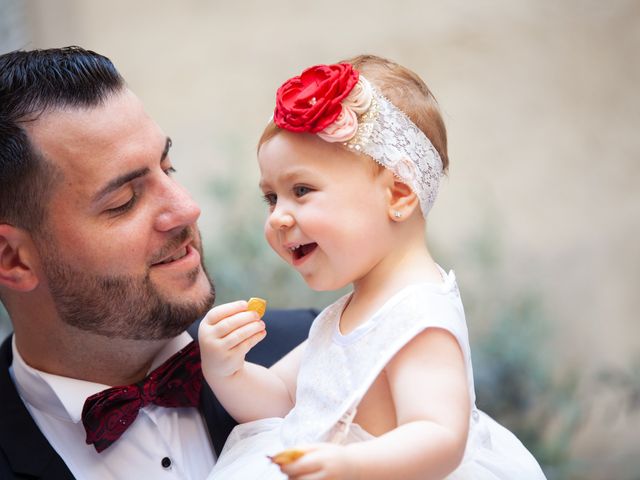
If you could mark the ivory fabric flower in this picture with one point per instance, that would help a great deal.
(359, 100)
(343, 128)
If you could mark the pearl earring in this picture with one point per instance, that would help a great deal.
(397, 214)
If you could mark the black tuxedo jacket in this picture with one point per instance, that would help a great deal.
(26, 454)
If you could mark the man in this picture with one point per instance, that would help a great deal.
(101, 273)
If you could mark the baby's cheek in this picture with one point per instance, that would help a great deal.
(272, 239)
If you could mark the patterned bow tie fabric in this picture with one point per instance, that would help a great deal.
(176, 383)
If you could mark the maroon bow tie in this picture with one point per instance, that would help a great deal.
(176, 383)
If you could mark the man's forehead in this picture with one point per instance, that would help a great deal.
(89, 140)
(68, 126)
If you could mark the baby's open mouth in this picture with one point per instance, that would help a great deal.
(303, 250)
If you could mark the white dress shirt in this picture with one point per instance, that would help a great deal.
(162, 443)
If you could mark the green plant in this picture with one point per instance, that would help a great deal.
(515, 383)
(516, 377)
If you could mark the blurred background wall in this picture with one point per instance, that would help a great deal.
(540, 213)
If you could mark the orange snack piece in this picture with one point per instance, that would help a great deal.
(258, 305)
(287, 456)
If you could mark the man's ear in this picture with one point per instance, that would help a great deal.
(402, 201)
(17, 259)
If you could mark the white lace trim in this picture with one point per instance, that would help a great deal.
(388, 135)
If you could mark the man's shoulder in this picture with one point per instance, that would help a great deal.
(286, 329)
(6, 383)
(24, 451)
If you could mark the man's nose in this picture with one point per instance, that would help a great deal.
(178, 208)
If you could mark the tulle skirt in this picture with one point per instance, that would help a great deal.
(492, 453)
(245, 455)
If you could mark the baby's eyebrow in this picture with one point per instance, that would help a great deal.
(290, 176)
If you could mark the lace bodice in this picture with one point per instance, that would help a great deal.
(337, 370)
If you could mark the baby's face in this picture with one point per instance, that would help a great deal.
(327, 208)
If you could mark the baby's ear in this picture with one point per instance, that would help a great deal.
(402, 201)
(17, 259)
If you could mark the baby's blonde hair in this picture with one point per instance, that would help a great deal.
(405, 90)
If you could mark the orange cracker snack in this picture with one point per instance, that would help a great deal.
(287, 456)
(258, 305)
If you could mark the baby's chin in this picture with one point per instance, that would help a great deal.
(318, 285)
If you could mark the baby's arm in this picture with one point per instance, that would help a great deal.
(429, 389)
(246, 390)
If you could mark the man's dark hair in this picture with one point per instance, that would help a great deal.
(31, 83)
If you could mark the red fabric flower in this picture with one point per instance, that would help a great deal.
(311, 101)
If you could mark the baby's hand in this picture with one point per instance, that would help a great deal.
(225, 335)
(322, 461)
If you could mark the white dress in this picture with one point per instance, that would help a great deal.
(336, 372)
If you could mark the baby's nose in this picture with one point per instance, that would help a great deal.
(280, 219)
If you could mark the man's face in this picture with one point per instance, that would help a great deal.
(120, 249)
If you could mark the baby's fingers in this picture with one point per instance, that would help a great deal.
(301, 466)
(226, 323)
(303, 470)
(243, 347)
(228, 328)
(237, 338)
(318, 475)
(221, 312)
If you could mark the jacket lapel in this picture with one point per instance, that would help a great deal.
(27, 451)
(218, 421)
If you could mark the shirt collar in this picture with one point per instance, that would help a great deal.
(64, 397)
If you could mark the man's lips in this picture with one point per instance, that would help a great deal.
(175, 254)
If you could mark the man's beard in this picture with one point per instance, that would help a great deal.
(125, 306)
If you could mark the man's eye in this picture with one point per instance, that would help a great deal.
(300, 190)
(125, 206)
(169, 171)
(270, 199)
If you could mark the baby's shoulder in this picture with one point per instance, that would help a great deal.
(425, 300)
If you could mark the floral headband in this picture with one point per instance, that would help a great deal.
(341, 106)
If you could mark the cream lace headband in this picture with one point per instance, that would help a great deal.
(341, 106)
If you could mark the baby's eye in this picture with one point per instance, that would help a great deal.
(169, 171)
(270, 199)
(301, 190)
